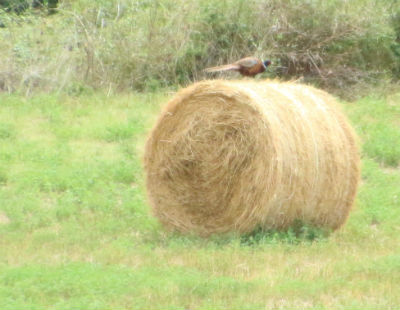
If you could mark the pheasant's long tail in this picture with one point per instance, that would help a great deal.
(222, 68)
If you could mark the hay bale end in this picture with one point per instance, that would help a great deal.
(236, 155)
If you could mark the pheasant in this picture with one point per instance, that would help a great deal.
(248, 66)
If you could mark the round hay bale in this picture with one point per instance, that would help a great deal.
(237, 155)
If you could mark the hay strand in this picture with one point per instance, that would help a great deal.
(234, 155)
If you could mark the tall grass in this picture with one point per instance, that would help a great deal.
(143, 44)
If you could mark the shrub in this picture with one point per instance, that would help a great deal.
(142, 44)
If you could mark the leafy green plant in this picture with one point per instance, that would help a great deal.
(295, 234)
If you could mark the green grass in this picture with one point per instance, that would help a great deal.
(76, 231)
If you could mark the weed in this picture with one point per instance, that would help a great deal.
(147, 45)
(297, 233)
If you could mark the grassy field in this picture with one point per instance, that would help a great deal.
(76, 231)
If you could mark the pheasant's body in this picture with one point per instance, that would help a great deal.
(248, 66)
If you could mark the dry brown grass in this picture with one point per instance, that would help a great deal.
(234, 155)
(343, 46)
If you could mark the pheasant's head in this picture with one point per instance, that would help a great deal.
(267, 63)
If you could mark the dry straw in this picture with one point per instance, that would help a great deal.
(235, 155)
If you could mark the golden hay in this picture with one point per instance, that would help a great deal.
(235, 155)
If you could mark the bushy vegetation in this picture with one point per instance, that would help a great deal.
(20, 6)
(143, 44)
